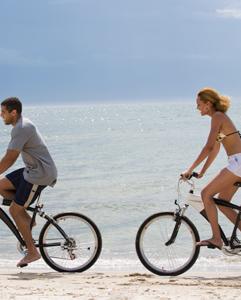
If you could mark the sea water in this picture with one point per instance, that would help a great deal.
(118, 164)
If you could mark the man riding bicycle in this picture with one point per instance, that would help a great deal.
(24, 185)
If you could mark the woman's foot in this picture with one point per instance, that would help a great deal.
(29, 258)
(211, 243)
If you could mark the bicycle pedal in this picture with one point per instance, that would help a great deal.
(211, 247)
(22, 265)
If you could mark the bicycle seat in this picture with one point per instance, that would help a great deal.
(238, 184)
(6, 202)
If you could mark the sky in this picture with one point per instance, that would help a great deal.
(66, 51)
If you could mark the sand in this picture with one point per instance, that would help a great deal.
(39, 284)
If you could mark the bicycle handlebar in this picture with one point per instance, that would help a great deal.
(194, 174)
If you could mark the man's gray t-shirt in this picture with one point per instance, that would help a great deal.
(40, 167)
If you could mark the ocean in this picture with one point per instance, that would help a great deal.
(118, 164)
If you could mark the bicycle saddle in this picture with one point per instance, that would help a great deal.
(6, 202)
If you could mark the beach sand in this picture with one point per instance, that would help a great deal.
(40, 284)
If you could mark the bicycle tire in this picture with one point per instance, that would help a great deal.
(167, 260)
(83, 251)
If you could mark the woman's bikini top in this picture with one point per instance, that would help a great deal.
(222, 136)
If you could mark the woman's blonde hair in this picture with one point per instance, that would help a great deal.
(220, 102)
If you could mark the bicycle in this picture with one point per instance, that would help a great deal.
(68, 241)
(166, 241)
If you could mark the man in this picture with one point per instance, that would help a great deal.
(24, 185)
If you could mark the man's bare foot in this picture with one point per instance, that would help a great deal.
(29, 258)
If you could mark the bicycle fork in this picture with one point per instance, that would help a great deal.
(69, 243)
(178, 214)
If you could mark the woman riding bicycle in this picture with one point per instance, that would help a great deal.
(215, 105)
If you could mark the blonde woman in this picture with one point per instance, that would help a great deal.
(223, 131)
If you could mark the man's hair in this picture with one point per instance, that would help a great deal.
(13, 103)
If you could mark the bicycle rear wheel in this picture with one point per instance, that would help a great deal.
(156, 255)
(79, 251)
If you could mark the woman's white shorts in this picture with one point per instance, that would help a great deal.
(234, 164)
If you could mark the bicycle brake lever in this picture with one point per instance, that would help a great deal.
(194, 174)
(177, 204)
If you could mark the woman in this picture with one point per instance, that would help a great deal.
(215, 105)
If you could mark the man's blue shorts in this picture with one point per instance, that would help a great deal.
(26, 192)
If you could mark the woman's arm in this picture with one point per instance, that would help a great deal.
(210, 144)
(211, 157)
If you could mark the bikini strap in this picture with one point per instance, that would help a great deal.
(234, 133)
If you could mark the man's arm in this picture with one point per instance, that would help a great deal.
(8, 160)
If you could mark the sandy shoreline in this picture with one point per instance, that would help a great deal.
(42, 284)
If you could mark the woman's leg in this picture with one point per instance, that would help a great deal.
(224, 180)
(227, 195)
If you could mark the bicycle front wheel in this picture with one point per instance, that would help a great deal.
(161, 255)
(73, 245)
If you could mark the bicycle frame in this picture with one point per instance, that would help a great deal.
(35, 210)
(67, 242)
(196, 202)
(9, 223)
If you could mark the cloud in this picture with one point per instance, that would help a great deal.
(229, 13)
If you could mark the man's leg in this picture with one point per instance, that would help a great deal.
(7, 189)
(22, 221)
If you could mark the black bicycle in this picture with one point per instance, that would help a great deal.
(166, 241)
(68, 242)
